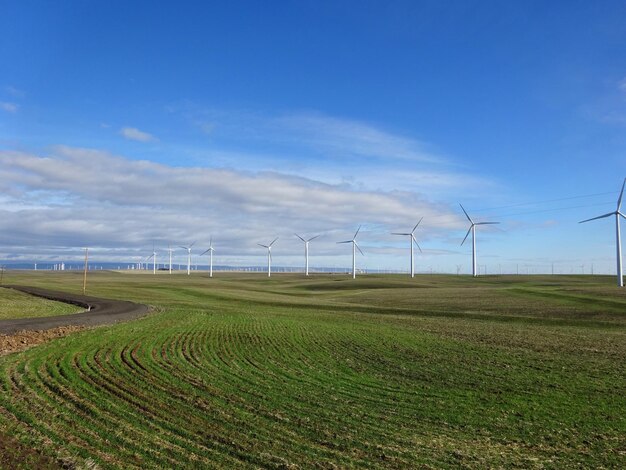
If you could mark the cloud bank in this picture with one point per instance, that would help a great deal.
(74, 197)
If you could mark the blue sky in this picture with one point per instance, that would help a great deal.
(124, 124)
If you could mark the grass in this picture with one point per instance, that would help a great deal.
(389, 372)
(14, 304)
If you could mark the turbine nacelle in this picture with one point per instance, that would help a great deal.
(411, 234)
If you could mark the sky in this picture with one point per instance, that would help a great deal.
(128, 125)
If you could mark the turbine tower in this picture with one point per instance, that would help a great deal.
(411, 241)
(169, 248)
(306, 252)
(269, 256)
(355, 246)
(153, 257)
(188, 248)
(618, 240)
(210, 251)
(473, 230)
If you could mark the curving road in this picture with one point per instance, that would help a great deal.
(98, 311)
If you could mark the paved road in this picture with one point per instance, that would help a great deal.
(98, 311)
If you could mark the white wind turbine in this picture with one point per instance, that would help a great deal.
(411, 241)
(188, 248)
(269, 256)
(306, 252)
(618, 240)
(355, 246)
(473, 230)
(153, 257)
(210, 251)
(169, 249)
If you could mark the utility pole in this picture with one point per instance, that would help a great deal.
(85, 272)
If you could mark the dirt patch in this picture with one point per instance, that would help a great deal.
(25, 339)
(15, 455)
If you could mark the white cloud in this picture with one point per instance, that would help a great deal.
(14, 91)
(76, 196)
(346, 138)
(9, 107)
(132, 133)
(309, 134)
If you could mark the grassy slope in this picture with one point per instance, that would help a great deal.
(14, 304)
(391, 372)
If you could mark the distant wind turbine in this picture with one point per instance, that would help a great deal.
(306, 252)
(153, 257)
(618, 240)
(411, 241)
(473, 230)
(169, 248)
(269, 256)
(188, 248)
(355, 246)
(210, 251)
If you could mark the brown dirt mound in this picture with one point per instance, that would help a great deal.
(25, 339)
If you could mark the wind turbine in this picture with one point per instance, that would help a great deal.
(210, 251)
(269, 256)
(188, 248)
(306, 252)
(355, 246)
(473, 230)
(411, 241)
(169, 249)
(153, 257)
(618, 240)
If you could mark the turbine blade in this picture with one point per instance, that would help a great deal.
(264, 246)
(396, 233)
(192, 244)
(468, 217)
(300, 237)
(313, 238)
(358, 248)
(619, 201)
(274, 241)
(183, 247)
(420, 221)
(204, 252)
(599, 217)
(486, 223)
(418, 245)
(347, 241)
(467, 234)
(357, 232)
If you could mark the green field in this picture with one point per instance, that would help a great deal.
(15, 304)
(384, 371)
